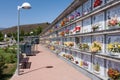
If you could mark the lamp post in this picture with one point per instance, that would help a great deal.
(25, 5)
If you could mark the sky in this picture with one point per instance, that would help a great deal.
(41, 11)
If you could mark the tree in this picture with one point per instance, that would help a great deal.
(39, 30)
(35, 32)
(22, 33)
(15, 35)
(9, 34)
(1, 36)
(27, 34)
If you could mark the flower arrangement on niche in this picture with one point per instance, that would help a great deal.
(62, 33)
(71, 32)
(67, 31)
(66, 20)
(68, 44)
(52, 48)
(96, 47)
(84, 47)
(62, 23)
(71, 17)
(81, 63)
(68, 56)
(95, 27)
(77, 29)
(77, 14)
(113, 74)
(50, 30)
(114, 47)
(76, 62)
(97, 3)
(97, 67)
(56, 42)
(113, 21)
(85, 64)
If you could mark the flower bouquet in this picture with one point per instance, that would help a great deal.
(114, 48)
(85, 64)
(67, 31)
(62, 33)
(62, 23)
(84, 47)
(77, 29)
(66, 20)
(68, 44)
(97, 3)
(68, 56)
(113, 21)
(95, 27)
(96, 47)
(71, 17)
(113, 74)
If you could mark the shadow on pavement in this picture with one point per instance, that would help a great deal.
(36, 69)
(34, 53)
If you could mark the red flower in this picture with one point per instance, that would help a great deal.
(97, 3)
(77, 28)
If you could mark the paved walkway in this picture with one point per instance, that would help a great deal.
(41, 68)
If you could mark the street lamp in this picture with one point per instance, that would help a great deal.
(25, 5)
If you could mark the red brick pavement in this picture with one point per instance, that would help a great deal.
(39, 71)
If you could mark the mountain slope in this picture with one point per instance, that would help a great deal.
(26, 28)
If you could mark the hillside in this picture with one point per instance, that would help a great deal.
(26, 28)
(2, 28)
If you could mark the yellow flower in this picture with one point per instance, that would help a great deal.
(119, 46)
(110, 46)
(96, 46)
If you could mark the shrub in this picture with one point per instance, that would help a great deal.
(1, 64)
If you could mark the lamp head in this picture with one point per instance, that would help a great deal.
(26, 5)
